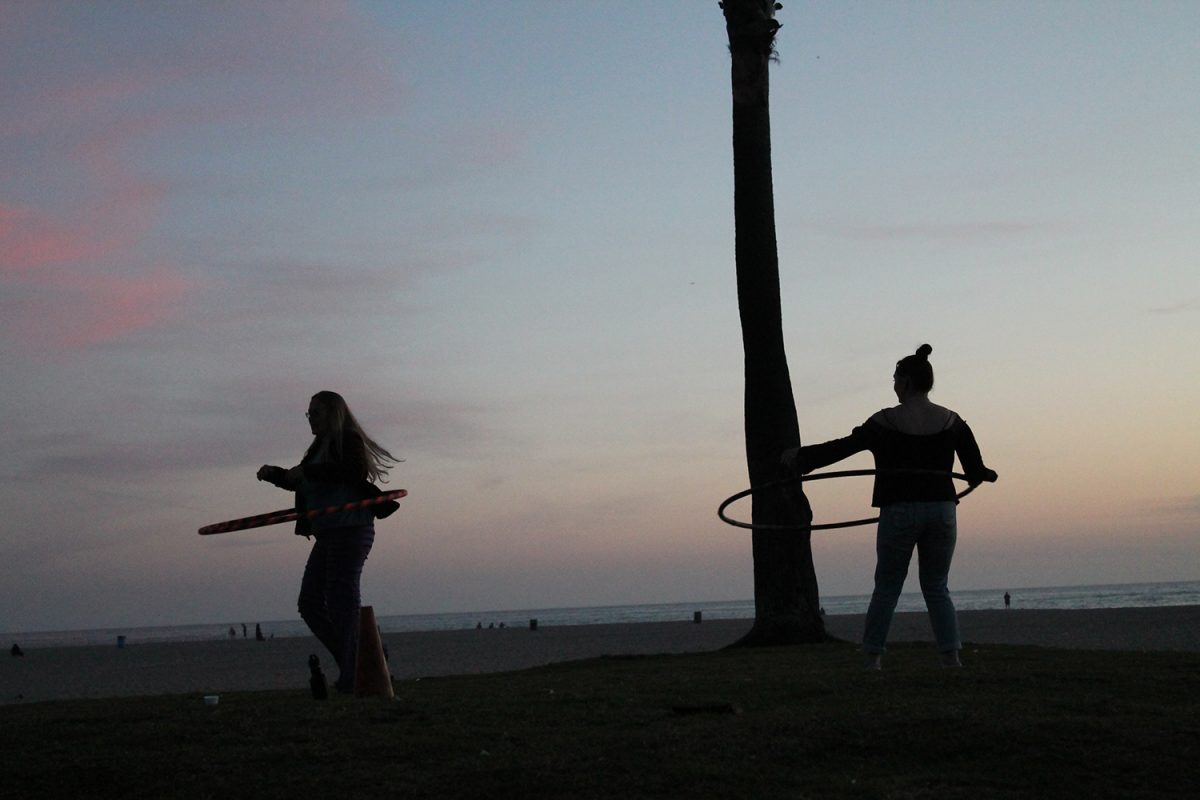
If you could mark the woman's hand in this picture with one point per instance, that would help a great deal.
(283, 478)
(269, 473)
(988, 475)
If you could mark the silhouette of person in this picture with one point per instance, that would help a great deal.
(258, 634)
(915, 510)
(339, 467)
(232, 633)
(16, 651)
(244, 633)
(1007, 600)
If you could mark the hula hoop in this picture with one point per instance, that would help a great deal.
(288, 514)
(817, 476)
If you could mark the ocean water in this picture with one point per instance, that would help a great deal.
(1063, 597)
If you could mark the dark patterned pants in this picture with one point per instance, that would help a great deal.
(329, 593)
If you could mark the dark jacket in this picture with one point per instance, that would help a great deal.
(333, 476)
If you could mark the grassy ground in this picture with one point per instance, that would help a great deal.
(797, 722)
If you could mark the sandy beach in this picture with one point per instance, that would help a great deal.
(239, 665)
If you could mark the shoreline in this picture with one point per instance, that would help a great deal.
(1073, 597)
(240, 665)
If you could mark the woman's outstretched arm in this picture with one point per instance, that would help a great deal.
(815, 456)
(277, 476)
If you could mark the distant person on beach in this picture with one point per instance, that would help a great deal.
(16, 651)
(340, 466)
(1007, 600)
(915, 510)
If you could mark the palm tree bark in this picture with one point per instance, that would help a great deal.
(786, 602)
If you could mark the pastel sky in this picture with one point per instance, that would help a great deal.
(504, 232)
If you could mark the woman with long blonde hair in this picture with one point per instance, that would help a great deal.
(341, 465)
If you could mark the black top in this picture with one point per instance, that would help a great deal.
(333, 477)
(347, 466)
(895, 450)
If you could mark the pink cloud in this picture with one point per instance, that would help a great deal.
(81, 275)
(76, 257)
(74, 309)
(76, 104)
(30, 239)
(113, 306)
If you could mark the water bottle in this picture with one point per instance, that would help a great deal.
(320, 690)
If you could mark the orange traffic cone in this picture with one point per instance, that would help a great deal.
(371, 676)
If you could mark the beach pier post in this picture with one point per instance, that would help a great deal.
(371, 675)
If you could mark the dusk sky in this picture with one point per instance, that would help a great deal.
(504, 232)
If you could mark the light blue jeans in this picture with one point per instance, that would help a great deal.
(932, 528)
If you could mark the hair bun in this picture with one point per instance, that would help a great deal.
(924, 350)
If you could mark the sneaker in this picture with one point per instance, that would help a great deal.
(873, 661)
(950, 659)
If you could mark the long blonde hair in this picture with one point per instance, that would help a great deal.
(340, 420)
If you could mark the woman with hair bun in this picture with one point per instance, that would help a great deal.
(915, 510)
(339, 467)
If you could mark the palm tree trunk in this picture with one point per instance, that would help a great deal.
(786, 603)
